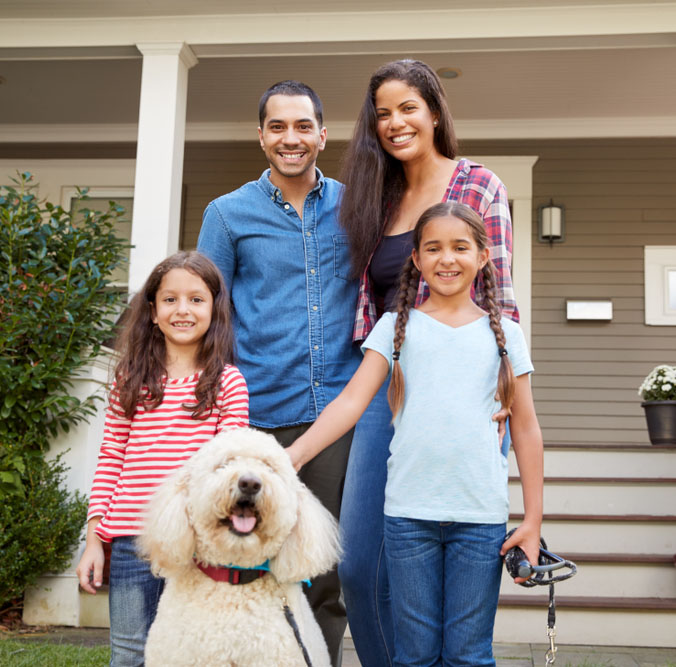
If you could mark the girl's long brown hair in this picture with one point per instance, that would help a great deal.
(408, 288)
(142, 365)
(374, 180)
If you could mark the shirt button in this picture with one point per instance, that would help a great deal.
(308, 233)
(314, 307)
(316, 347)
(312, 271)
(316, 384)
(286, 206)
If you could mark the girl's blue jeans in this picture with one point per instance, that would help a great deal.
(363, 570)
(445, 580)
(132, 599)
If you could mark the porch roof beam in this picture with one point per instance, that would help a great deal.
(594, 21)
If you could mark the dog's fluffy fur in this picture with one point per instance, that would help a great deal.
(204, 622)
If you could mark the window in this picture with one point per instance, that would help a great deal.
(660, 285)
(97, 200)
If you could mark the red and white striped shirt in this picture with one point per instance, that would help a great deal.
(138, 453)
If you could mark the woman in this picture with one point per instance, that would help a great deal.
(401, 161)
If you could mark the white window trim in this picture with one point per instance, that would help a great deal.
(659, 261)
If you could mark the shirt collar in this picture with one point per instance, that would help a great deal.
(275, 193)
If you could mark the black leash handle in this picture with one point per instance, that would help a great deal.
(518, 566)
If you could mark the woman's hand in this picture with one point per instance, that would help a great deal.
(501, 417)
(528, 538)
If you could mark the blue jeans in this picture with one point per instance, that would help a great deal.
(132, 599)
(362, 570)
(445, 580)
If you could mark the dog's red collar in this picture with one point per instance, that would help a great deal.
(230, 574)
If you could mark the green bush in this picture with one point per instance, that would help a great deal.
(56, 310)
(39, 530)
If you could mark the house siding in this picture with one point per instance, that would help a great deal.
(619, 195)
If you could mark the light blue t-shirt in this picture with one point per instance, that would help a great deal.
(445, 462)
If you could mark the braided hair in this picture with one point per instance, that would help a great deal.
(408, 289)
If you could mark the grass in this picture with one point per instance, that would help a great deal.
(18, 653)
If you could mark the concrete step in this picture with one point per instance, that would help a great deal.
(599, 495)
(611, 575)
(606, 461)
(598, 534)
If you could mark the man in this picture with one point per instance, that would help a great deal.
(286, 262)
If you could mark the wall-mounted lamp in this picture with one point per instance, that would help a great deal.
(551, 223)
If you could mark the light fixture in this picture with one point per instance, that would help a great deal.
(449, 72)
(551, 223)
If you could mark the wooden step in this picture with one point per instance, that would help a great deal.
(606, 461)
(602, 533)
(587, 626)
(590, 602)
(605, 578)
(602, 496)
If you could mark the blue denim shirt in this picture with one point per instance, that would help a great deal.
(294, 300)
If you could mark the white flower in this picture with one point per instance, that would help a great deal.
(660, 384)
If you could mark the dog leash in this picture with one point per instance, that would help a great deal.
(518, 566)
(291, 620)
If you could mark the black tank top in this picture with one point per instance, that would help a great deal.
(386, 264)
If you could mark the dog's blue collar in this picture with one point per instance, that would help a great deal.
(265, 567)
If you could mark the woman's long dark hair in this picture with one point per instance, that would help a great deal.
(142, 365)
(374, 180)
(408, 288)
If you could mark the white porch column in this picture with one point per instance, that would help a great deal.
(159, 156)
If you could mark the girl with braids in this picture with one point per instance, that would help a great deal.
(454, 365)
(175, 388)
(402, 159)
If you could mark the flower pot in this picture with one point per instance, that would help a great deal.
(661, 418)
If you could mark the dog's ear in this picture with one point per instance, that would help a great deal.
(312, 548)
(167, 539)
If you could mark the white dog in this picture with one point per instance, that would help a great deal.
(237, 502)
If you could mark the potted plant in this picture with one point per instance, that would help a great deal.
(659, 401)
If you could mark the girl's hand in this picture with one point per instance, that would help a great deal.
(501, 417)
(528, 538)
(91, 563)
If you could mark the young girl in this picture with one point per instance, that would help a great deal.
(446, 500)
(175, 388)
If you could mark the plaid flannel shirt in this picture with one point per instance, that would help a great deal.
(480, 189)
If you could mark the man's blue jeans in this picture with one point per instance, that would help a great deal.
(444, 582)
(132, 600)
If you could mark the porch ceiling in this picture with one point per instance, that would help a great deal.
(618, 83)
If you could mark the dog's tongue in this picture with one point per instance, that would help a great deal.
(243, 522)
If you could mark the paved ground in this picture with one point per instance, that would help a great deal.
(507, 655)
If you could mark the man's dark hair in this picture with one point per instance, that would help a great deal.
(290, 88)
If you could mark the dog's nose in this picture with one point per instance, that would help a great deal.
(249, 484)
